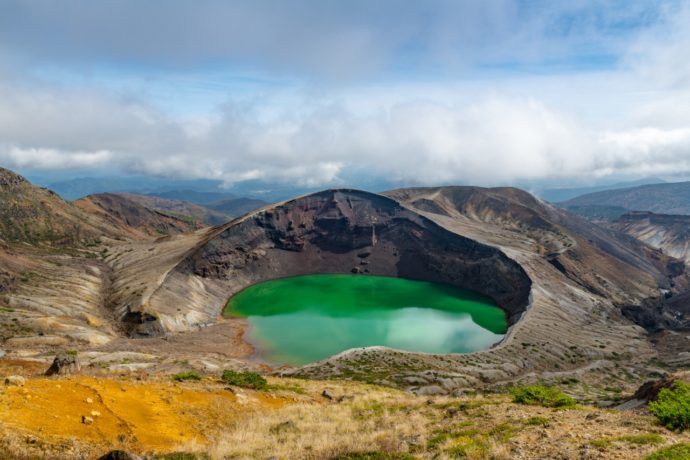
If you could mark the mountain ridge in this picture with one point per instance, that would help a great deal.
(668, 198)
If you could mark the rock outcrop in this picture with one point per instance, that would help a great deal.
(15, 381)
(64, 364)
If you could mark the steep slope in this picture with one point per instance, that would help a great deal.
(130, 216)
(52, 281)
(35, 215)
(569, 243)
(673, 198)
(668, 232)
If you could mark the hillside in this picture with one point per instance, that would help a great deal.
(219, 203)
(200, 214)
(670, 198)
(129, 214)
(670, 233)
(35, 215)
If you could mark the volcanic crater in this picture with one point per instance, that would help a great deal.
(531, 258)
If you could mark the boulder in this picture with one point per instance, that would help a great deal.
(650, 390)
(15, 380)
(64, 364)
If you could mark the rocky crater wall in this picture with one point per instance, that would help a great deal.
(349, 231)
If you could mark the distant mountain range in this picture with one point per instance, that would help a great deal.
(658, 214)
(200, 191)
(194, 196)
(557, 195)
(667, 198)
(74, 189)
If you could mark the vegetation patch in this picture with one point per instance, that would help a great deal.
(639, 439)
(537, 421)
(676, 452)
(642, 439)
(293, 388)
(472, 449)
(245, 379)
(503, 431)
(601, 443)
(539, 395)
(184, 376)
(672, 407)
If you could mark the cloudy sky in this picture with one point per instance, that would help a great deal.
(320, 92)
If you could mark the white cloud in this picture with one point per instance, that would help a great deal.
(494, 139)
(629, 120)
(44, 158)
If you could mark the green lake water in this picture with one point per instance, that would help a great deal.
(306, 318)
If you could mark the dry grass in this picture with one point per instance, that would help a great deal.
(378, 421)
(292, 420)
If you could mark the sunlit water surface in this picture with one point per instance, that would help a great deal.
(307, 318)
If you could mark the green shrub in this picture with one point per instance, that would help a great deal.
(182, 376)
(676, 452)
(639, 439)
(642, 439)
(472, 449)
(672, 407)
(537, 421)
(602, 443)
(539, 395)
(245, 379)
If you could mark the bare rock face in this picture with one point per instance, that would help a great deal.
(64, 364)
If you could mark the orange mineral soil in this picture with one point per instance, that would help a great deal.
(110, 412)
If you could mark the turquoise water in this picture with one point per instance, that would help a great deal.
(307, 318)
